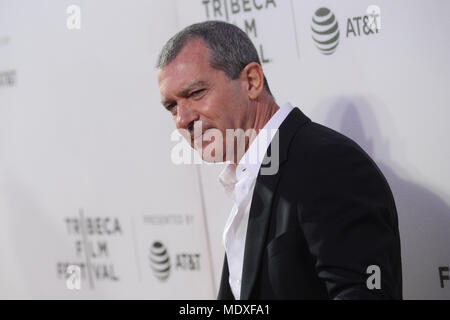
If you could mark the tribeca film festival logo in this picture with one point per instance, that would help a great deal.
(325, 27)
(160, 261)
(93, 252)
(216, 151)
(242, 13)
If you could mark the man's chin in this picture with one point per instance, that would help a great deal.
(210, 157)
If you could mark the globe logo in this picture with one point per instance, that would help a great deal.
(325, 30)
(159, 261)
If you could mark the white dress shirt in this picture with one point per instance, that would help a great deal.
(239, 183)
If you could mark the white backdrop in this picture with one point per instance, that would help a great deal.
(85, 171)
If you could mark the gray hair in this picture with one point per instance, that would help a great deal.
(230, 47)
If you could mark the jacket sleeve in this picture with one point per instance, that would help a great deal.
(348, 217)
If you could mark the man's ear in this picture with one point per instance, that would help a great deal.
(253, 79)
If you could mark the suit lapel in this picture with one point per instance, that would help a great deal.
(225, 292)
(257, 230)
(260, 210)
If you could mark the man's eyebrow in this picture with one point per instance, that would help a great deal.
(185, 91)
(165, 102)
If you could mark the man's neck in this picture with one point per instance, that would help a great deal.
(263, 112)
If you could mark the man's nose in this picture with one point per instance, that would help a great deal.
(185, 116)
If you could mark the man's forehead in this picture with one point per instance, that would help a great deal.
(181, 79)
(186, 68)
(194, 47)
(193, 53)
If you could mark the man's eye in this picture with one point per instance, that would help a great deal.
(196, 93)
(171, 106)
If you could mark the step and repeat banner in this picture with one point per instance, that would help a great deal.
(86, 177)
(92, 204)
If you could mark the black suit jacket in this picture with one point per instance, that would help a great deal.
(317, 224)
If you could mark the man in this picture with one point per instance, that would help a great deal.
(323, 224)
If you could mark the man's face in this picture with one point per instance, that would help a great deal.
(194, 91)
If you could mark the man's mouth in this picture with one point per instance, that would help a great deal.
(197, 141)
(198, 136)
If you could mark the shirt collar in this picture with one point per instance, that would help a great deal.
(228, 178)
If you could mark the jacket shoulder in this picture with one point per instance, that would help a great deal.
(314, 139)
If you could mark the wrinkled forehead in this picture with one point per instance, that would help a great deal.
(191, 65)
